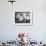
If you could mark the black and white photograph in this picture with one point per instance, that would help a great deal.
(23, 18)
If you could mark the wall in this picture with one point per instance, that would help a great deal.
(9, 31)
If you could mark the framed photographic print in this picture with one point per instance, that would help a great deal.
(23, 18)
